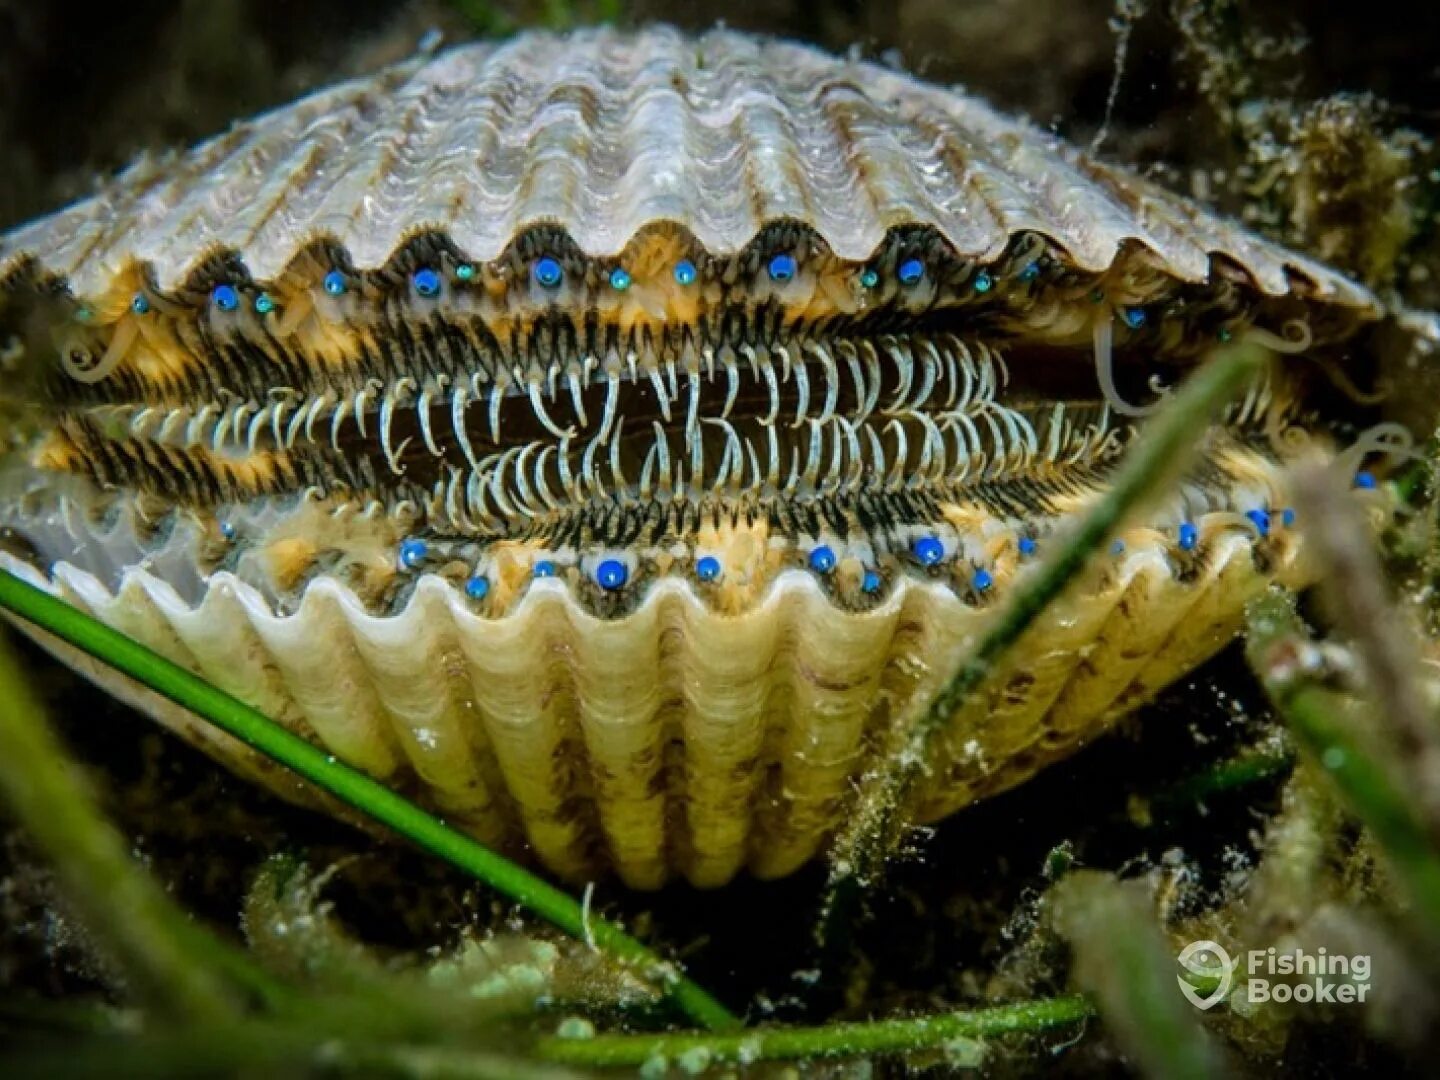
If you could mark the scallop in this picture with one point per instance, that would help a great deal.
(604, 438)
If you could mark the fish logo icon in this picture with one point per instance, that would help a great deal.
(1207, 961)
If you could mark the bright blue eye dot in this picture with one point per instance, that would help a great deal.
(1365, 479)
(822, 559)
(1189, 536)
(685, 272)
(464, 272)
(1027, 545)
(548, 272)
(426, 282)
(1134, 317)
(334, 283)
(619, 279)
(478, 587)
(910, 272)
(227, 530)
(1030, 272)
(782, 268)
(869, 277)
(707, 568)
(1287, 517)
(225, 297)
(611, 574)
(1261, 520)
(929, 550)
(983, 281)
(982, 580)
(1117, 548)
(413, 552)
(872, 581)
(544, 568)
(264, 303)
(140, 304)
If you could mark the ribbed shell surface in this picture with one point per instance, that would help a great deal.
(600, 134)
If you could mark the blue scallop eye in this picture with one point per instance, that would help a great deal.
(1261, 520)
(611, 574)
(1027, 545)
(1030, 272)
(619, 279)
(1189, 536)
(982, 580)
(929, 550)
(413, 552)
(1223, 335)
(548, 272)
(782, 267)
(1365, 480)
(1287, 517)
(869, 277)
(477, 587)
(1134, 317)
(872, 581)
(685, 272)
(225, 297)
(707, 568)
(140, 304)
(910, 272)
(334, 283)
(983, 281)
(464, 272)
(822, 559)
(544, 568)
(264, 304)
(426, 282)
(227, 530)
(1117, 548)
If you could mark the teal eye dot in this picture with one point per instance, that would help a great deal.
(83, 314)
(619, 279)
(548, 272)
(869, 277)
(685, 273)
(464, 272)
(1223, 335)
(911, 272)
(983, 281)
(335, 283)
(140, 304)
(264, 303)
(782, 268)
(1030, 273)
(225, 297)
(426, 282)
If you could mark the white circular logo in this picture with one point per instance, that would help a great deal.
(1207, 961)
